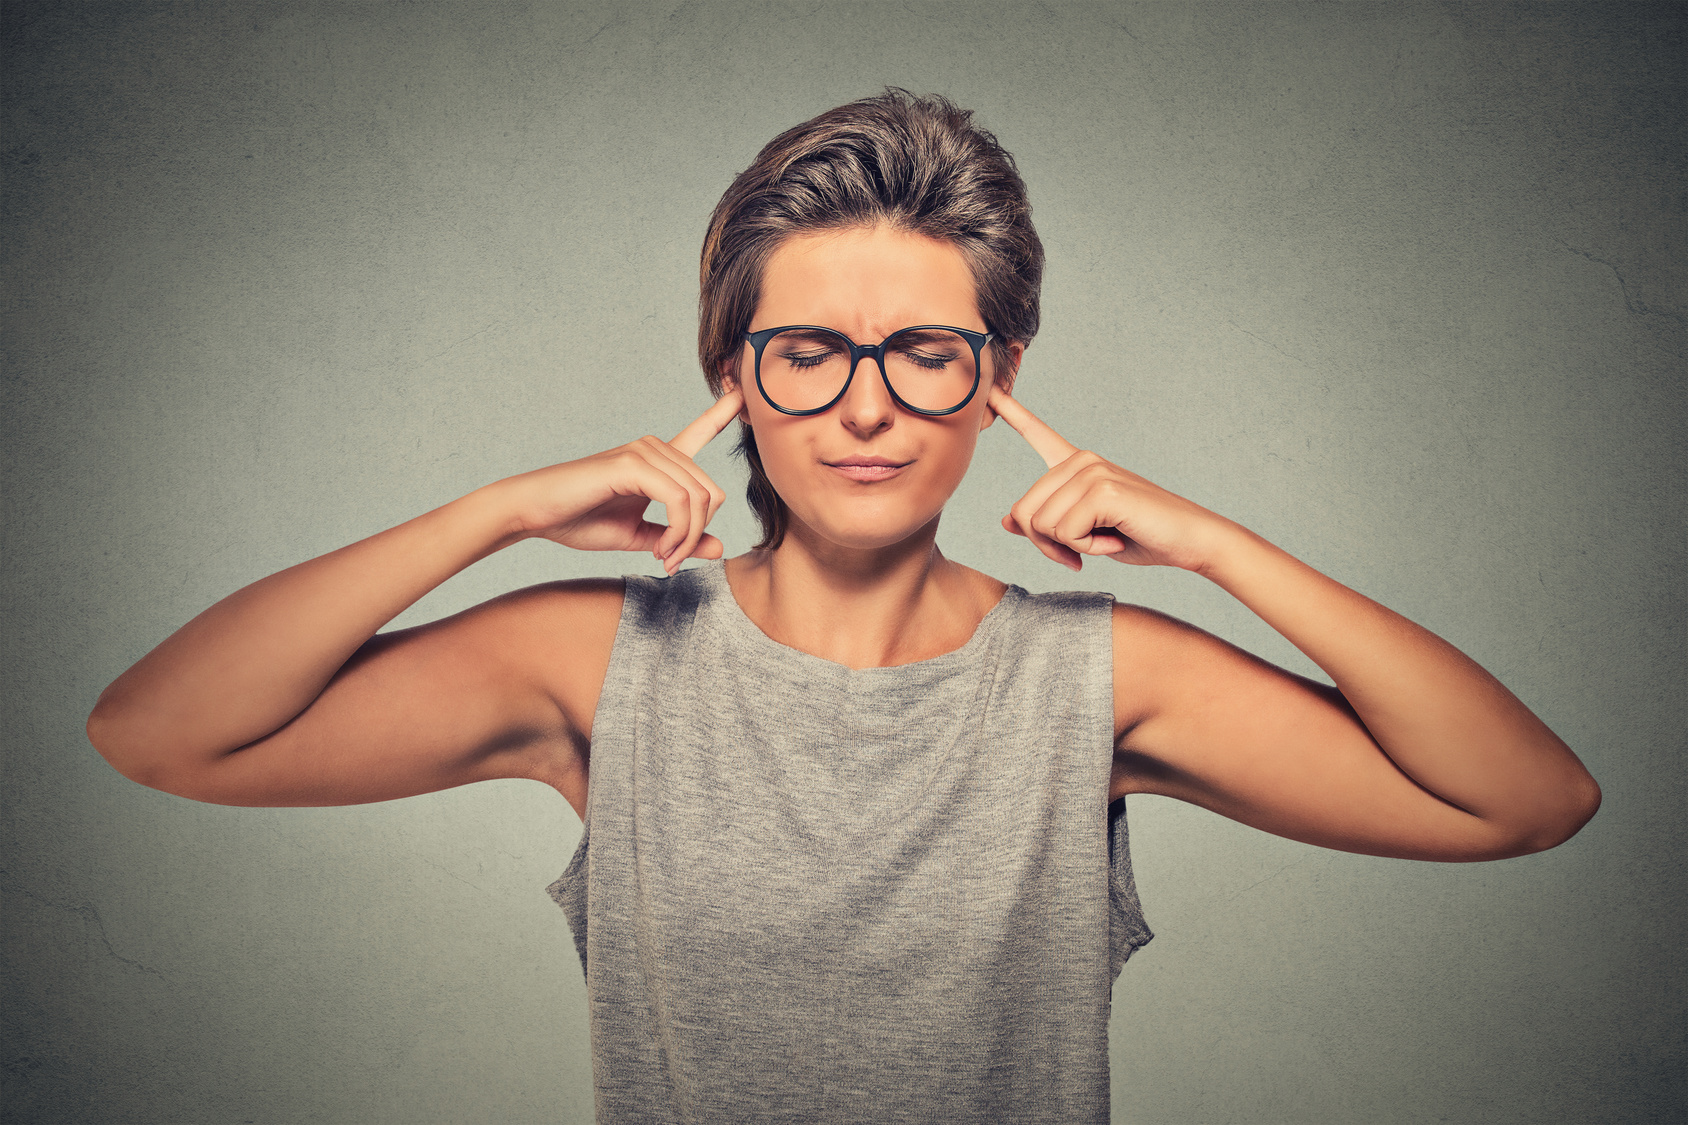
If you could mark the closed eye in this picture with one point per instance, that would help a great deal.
(807, 348)
(807, 359)
(808, 353)
(929, 358)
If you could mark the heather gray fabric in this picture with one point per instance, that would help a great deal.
(806, 893)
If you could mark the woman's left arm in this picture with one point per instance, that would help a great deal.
(1416, 752)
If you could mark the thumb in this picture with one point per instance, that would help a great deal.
(646, 536)
(709, 547)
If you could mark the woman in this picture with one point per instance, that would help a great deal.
(854, 847)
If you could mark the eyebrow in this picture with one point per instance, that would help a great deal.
(921, 337)
(813, 335)
(902, 335)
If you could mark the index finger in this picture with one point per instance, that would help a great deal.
(701, 432)
(1048, 444)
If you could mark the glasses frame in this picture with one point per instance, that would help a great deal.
(977, 340)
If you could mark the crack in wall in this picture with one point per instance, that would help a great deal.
(1269, 344)
(1635, 306)
(89, 915)
(1238, 894)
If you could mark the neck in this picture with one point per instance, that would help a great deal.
(870, 608)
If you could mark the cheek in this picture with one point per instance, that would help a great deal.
(956, 455)
(779, 441)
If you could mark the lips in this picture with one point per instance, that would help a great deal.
(867, 468)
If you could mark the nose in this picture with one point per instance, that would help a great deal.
(867, 406)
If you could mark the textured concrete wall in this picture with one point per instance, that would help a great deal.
(1399, 287)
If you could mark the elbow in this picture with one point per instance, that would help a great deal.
(106, 734)
(1574, 807)
(1583, 803)
(117, 742)
(152, 757)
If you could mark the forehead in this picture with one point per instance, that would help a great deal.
(867, 282)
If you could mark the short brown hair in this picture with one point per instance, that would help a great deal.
(917, 164)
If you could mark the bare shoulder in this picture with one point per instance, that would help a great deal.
(1172, 682)
(551, 641)
(561, 633)
(1149, 647)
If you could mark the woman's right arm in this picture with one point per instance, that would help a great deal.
(283, 694)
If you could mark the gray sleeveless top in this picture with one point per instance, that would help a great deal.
(806, 893)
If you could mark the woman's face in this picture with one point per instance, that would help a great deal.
(866, 473)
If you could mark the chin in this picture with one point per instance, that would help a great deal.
(864, 531)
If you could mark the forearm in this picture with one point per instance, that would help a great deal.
(256, 659)
(1443, 720)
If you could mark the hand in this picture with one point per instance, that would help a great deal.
(1085, 505)
(598, 503)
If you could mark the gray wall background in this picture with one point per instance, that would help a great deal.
(1399, 287)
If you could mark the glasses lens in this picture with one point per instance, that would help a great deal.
(930, 368)
(804, 369)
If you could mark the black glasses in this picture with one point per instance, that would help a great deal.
(931, 369)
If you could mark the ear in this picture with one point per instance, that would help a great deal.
(730, 381)
(1005, 379)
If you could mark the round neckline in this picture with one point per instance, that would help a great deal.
(732, 616)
